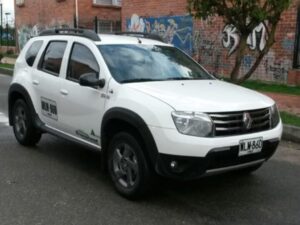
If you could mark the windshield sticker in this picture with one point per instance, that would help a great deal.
(49, 108)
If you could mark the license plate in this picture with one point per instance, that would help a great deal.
(250, 146)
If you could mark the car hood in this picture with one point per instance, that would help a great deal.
(204, 95)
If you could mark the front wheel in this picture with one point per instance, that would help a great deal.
(24, 130)
(127, 166)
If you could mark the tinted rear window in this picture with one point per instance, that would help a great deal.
(32, 52)
(53, 56)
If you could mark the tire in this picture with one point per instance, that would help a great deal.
(24, 129)
(128, 167)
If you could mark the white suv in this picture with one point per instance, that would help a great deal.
(147, 106)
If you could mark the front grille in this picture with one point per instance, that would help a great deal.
(231, 123)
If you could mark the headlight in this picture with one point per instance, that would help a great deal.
(275, 117)
(194, 124)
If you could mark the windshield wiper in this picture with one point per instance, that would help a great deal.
(149, 80)
(180, 78)
(138, 80)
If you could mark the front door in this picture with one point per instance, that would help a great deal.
(82, 107)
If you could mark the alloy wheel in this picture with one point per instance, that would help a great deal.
(125, 165)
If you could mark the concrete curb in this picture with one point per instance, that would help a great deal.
(291, 133)
(6, 71)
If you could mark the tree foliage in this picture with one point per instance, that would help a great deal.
(245, 16)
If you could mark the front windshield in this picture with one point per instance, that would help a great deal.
(140, 63)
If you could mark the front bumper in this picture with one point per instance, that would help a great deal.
(216, 161)
(171, 142)
(199, 156)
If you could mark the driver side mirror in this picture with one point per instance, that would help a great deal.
(91, 80)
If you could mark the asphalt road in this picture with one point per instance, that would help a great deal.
(4, 85)
(58, 182)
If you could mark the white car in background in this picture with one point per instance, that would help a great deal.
(147, 106)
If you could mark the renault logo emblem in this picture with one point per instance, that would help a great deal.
(247, 121)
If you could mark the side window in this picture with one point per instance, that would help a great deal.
(53, 55)
(32, 52)
(81, 61)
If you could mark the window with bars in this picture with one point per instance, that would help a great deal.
(297, 44)
(20, 2)
(108, 2)
(108, 26)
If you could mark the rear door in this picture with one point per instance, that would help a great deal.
(47, 82)
(31, 59)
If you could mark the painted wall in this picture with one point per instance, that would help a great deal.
(36, 15)
(25, 32)
(214, 42)
(177, 30)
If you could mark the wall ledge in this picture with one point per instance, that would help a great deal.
(294, 77)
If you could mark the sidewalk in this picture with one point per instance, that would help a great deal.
(287, 103)
(290, 104)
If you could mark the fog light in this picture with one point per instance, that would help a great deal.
(173, 165)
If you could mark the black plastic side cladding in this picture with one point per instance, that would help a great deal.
(19, 91)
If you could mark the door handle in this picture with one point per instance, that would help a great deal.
(35, 82)
(64, 92)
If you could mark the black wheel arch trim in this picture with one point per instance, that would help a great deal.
(135, 121)
(19, 89)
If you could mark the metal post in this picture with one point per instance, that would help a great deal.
(96, 24)
(75, 23)
(296, 62)
(7, 14)
(76, 13)
(7, 34)
(1, 31)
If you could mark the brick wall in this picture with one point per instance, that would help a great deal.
(37, 15)
(44, 12)
(88, 11)
(152, 8)
(208, 37)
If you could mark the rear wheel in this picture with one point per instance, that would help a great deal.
(24, 130)
(127, 165)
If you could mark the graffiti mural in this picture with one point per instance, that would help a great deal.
(288, 44)
(208, 50)
(257, 40)
(176, 30)
(277, 68)
(247, 61)
(26, 32)
(231, 38)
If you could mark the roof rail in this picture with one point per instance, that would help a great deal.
(90, 34)
(142, 35)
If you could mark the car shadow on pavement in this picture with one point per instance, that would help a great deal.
(72, 154)
(72, 176)
(231, 184)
